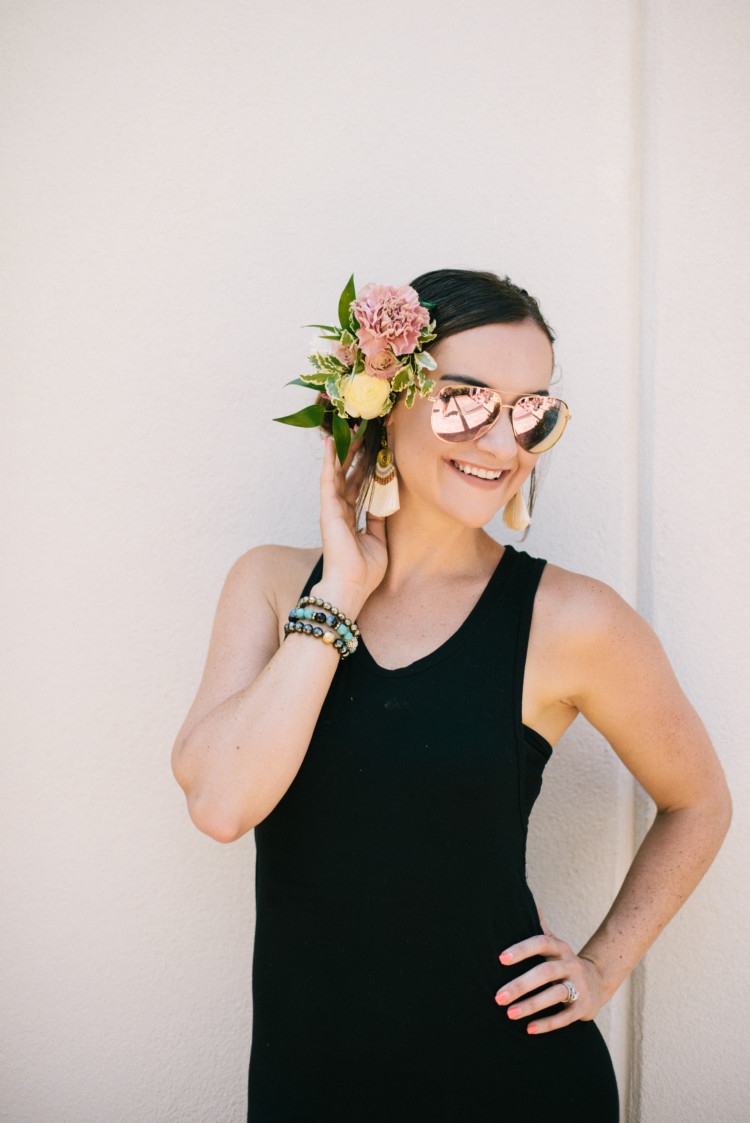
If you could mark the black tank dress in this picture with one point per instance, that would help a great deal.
(390, 877)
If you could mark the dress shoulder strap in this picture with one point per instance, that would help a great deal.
(315, 576)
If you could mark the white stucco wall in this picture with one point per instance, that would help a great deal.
(185, 183)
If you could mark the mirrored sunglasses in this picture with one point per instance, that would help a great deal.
(465, 413)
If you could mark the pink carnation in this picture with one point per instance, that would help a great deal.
(389, 317)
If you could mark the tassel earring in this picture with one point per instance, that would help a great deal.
(515, 513)
(381, 496)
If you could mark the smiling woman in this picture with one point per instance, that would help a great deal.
(381, 713)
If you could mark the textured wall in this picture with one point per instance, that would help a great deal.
(187, 182)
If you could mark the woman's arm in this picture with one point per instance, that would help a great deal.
(249, 727)
(616, 673)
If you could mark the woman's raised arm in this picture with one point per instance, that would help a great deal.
(249, 727)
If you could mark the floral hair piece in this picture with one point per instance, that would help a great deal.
(374, 355)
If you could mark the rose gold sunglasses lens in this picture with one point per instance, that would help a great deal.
(464, 413)
(539, 422)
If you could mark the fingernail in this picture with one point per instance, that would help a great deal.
(502, 997)
(531, 1028)
(506, 957)
(514, 1012)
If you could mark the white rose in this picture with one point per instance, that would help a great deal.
(365, 396)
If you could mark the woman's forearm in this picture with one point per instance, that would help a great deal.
(236, 759)
(673, 857)
(236, 763)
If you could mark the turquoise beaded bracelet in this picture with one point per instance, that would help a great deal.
(311, 612)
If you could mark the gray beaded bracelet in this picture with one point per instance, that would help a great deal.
(311, 612)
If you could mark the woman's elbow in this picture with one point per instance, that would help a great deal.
(220, 823)
(210, 814)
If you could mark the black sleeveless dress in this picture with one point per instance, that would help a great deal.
(390, 877)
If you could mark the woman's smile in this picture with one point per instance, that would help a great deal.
(478, 473)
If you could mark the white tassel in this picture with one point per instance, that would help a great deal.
(381, 497)
(516, 514)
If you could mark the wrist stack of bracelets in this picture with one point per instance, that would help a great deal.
(311, 612)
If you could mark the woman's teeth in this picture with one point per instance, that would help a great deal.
(482, 473)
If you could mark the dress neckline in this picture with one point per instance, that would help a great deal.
(460, 636)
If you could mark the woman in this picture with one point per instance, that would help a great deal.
(401, 969)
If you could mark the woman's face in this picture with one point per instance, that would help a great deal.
(515, 359)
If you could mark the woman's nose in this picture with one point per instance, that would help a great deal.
(500, 440)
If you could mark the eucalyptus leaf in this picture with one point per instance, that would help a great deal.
(342, 436)
(348, 295)
(308, 418)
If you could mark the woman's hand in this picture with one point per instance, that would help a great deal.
(353, 563)
(561, 964)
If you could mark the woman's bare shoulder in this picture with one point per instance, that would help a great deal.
(582, 627)
(278, 572)
(573, 603)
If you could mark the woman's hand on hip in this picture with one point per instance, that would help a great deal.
(353, 563)
(562, 966)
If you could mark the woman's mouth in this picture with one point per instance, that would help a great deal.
(478, 473)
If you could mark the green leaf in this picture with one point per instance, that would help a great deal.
(342, 436)
(335, 391)
(319, 386)
(426, 361)
(361, 426)
(307, 418)
(348, 295)
(325, 327)
(327, 364)
(401, 380)
(410, 395)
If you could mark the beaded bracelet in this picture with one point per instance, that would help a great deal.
(306, 621)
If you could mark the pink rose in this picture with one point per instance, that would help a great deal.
(383, 364)
(345, 355)
(389, 317)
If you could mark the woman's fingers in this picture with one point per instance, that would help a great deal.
(546, 944)
(375, 526)
(561, 965)
(551, 971)
(354, 562)
(554, 995)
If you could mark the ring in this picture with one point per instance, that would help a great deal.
(572, 992)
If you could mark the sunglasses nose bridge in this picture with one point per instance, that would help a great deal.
(500, 434)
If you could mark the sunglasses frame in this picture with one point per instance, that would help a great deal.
(497, 396)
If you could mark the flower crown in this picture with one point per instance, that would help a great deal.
(375, 355)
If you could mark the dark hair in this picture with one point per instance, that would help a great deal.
(462, 299)
(465, 298)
